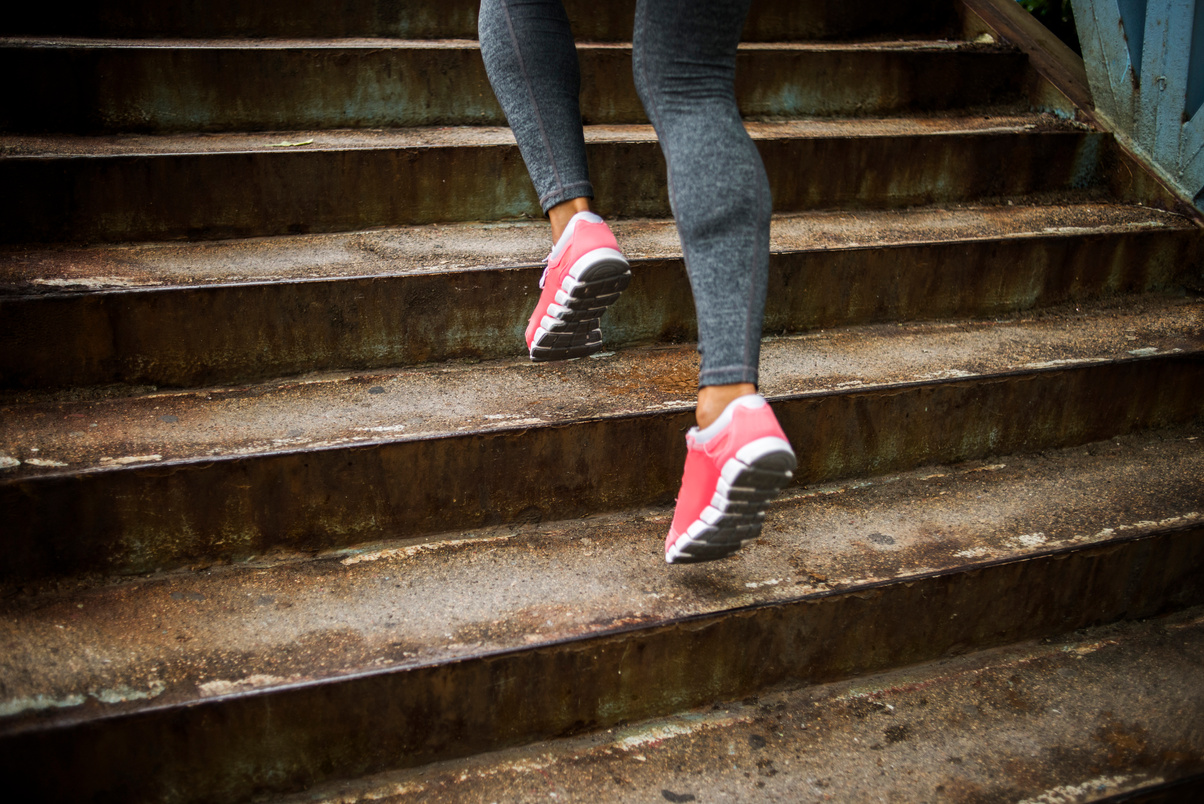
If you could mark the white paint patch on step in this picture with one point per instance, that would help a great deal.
(946, 374)
(1076, 361)
(1030, 540)
(415, 549)
(8, 463)
(672, 404)
(129, 459)
(36, 703)
(123, 693)
(631, 739)
(1089, 790)
(757, 584)
(225, 686)
(90, 282)
(1145, 524)
(1073, 231)
(114, 695)
(44, 462)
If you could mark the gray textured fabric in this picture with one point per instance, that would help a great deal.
(684, 64)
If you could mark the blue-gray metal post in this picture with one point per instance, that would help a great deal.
(1145, 63)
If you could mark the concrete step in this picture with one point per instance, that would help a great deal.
(1106, 714)
(97, 85)
(142, 187)
(138, 483)
(228, 683)
(160, 314)
(768, 20)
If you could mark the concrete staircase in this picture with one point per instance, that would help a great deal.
(285, 506)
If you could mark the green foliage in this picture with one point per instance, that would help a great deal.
(1057, 16)
(1044, 9)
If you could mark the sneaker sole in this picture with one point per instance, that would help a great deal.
(747, 483)
(570, 325)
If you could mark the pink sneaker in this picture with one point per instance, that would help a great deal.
(585, 274)
(733, 469)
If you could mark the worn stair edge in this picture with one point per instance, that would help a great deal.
(1056, 720)
(188, 635)
(416, 295)
(293, 736)
(611, 21)
(97, 86)
(178, 186)
(437, 248)
(268, 468)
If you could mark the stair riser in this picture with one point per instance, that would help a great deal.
(181, 336)
(769, 20)
(155, 89)
(85, 198)
(142, 519)
(233, 748)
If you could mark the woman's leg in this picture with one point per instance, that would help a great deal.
(738, 457)
(531, 61)
(685, 61)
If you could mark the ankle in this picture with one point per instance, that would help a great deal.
(562, 213)
(714, 399)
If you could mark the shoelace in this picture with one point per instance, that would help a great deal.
(547, 264)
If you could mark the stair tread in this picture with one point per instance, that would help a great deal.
(387, 43)
(196, 635)
(1048, 718)
(402, 251)
(68, 145)
(109, 85)
(611, 20)
(339, 410)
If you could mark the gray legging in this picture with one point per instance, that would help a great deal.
(684, 63)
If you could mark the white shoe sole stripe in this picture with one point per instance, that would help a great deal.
(596, 257)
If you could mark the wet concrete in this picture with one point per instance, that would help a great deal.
(94, 430)
(1068, 720)
(402, 251)
(516, 633)
(163, 480)
(189, 144)
(413, 295)
(105, 85)
(139, 187)
(401, 603)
